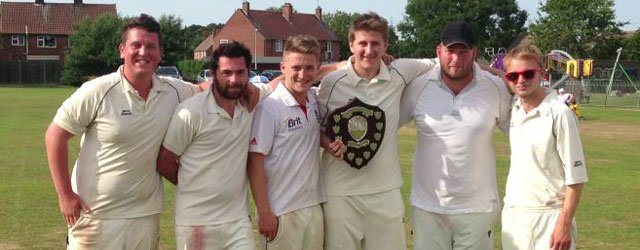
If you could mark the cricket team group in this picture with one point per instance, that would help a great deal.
(311, 186)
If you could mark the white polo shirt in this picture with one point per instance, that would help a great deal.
(212, 145)
(454, 164)
(546, 155)
(115, 173)
(290, 140)
(382, 173)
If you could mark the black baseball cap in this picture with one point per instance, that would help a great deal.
(458, 32)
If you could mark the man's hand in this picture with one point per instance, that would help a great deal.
(251, 97)
(70, 206)
(387, 59)
(268, 225)
(561, 237)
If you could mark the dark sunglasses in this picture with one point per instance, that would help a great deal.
(527, 74)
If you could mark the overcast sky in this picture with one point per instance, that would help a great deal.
(203, 12)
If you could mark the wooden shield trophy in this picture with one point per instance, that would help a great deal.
(361, 128)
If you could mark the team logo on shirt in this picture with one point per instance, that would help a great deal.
(577, 164)
(125, 112)
(293, 123)
(253, 141)
(361, 128)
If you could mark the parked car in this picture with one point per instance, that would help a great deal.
(204, 76)
(271, 73)
(259, 79)
(171, 71)
(252, 73)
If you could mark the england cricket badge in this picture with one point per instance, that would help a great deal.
(361, 128)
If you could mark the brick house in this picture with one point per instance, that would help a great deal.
(39, 30)
(264, 33)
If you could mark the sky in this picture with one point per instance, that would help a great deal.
(203, 12)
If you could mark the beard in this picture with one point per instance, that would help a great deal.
(226, 93)
(457, 76)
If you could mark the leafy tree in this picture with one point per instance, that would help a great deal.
(631, 46)
(174, 41)
(94, 49)
(496, 23)
(191, 68)
(582, 28)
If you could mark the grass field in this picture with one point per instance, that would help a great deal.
(608, 217)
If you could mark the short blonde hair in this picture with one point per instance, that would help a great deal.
(303, 44)
(524, 51)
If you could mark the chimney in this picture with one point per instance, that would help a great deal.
(319, 13)
(287, 11)
(39, 1)
(245, 7)
(76, 2)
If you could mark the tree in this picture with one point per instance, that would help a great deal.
(93, 50)
(632, 46)
(496, 23)
(174, 41)
(582, 28)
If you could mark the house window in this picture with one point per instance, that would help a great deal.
(224, 41)
(278, 46)
(329, 46)
(17, 40)
(46, 41)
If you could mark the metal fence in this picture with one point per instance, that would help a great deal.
(30, 72)
(598, 92)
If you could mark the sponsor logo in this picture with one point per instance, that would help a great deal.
(577, 164)
(293, 123)
(125, 112)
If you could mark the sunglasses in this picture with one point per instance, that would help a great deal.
(527, 74)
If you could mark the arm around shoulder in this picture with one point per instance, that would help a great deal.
(167, 165)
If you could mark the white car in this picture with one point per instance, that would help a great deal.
(171, 71)
(204, 76)
(259, 79)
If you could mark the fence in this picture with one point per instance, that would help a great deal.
(30, 72)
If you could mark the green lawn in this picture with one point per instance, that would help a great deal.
(608, 217)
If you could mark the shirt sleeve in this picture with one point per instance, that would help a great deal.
(410, 69)
(78, 111)
(181, 131)
(410, 96)
(569, 146)
(265, 89)
(263, 130)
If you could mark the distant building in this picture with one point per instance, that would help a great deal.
(264, 33)
(39, 30)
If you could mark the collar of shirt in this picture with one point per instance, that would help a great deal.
(354, 78)
(544, 107)
(156, 84)
(288, 99)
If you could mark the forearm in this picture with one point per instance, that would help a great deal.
(167, 165)
(258, 183)
(56, 140)
(571, 201)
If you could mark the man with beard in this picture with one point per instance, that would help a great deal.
(204, 153)
(456, 108)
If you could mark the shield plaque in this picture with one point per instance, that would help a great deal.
(361, 128)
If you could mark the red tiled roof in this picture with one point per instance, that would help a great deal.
(274, 26)
(47, 18)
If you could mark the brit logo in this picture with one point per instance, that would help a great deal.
(293, 123)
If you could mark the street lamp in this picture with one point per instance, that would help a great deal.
(255, 49)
